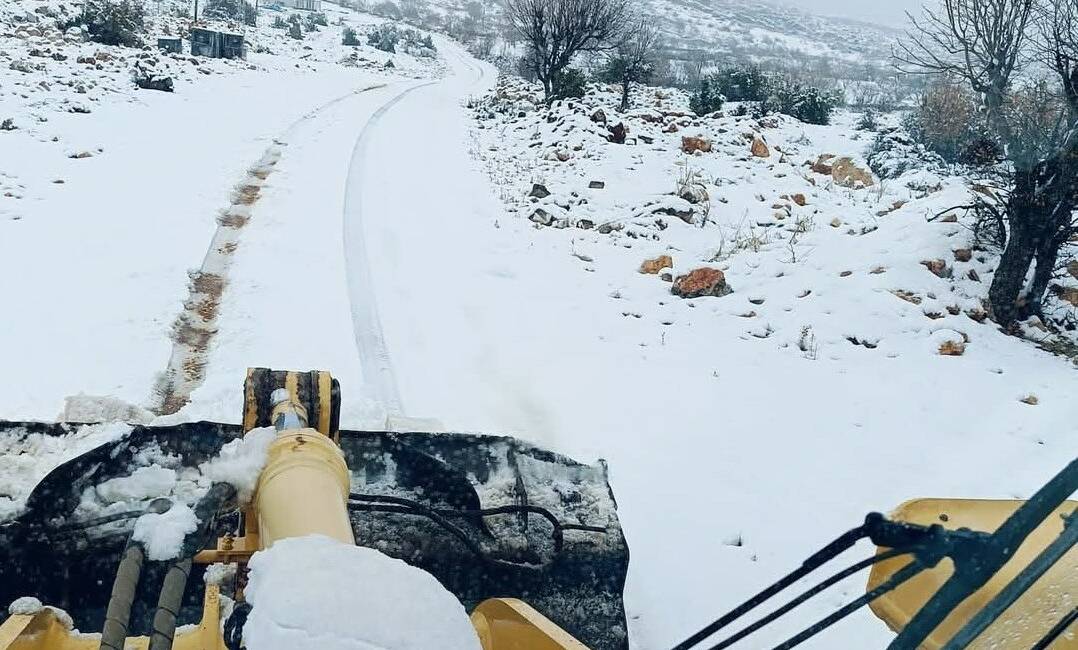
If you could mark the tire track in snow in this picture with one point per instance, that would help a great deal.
(378, 373)
(194, 329)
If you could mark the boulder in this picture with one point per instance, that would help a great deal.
(1072, 268)
(799, 199)
(599, 116)
(963, 255)
(656, 265)
(617, 133)
(952, 348)
(760, 148)
(677, 207)
(541, 217)
(596, 185)
(938, 268)
(692, 144)
(823, 164)
(539, 191)
(694, 193)
(1069, 294)
(847, 174)
(704, 281)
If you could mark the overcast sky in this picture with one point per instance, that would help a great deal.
(886, 12)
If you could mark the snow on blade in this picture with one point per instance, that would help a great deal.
(162, 535)
(377, 602)
(241, 461)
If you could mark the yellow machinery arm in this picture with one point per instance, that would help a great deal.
(302, 490)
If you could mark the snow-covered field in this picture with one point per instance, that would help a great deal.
(394, 244)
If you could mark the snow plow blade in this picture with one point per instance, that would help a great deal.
(1027, 621)
(488, 516)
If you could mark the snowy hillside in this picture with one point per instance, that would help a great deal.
(762, 338)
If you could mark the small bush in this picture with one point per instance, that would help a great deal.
(706, 98)
(279, 23)
(350, 38)
(115, 22)
(8, 124)
(806, 103)
(294, 30)
(869, 121)
(894, 152)
(741, 84)
(318, 18)
(945, 120)
(239, 10)
(384, 38)
(570, 83)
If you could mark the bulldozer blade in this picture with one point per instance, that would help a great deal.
(53, 550)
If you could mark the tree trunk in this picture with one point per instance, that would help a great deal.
(1046, 258)
(625, 95)
(1010, 277)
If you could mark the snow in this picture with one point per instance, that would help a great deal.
(144, 483)
(241, 461)
(28, 606)
(162, 534)
(29, 457)
(378, 603)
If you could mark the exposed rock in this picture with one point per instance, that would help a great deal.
(1030, 399)
(1069, 294)
(692, 144)
(541, 217)
(823, 164)
(963, 255)
(1072, 268)
(836, 223)
(666, 277)
(949, 218)
(704, 281)
(80, 155)
(799, 199)
(847, 174)
(539, 191)
(760, 148)
(617, 133)
(694, 193)
(973, 275)
(596, 185)
(952, 348)
(654, 266)
(585, 224)
(599, 116)
(978, 315)
(679, 208)
(938, 268)
(646, 139)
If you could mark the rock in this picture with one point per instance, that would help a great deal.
(1030, 399)
(938, 268)
(671, 128)
(80, 155)
(973, 275)
(760, 148)
(585, 224)
(963, 255)
(541, 217)
(836, 223)
(823, 164)
(694, 193)
(704, 281)
(692, 144)
(1072, 268)
(666, 277)
(654, 266)
(539, 191)
(799, 199)
(646, 139)
(86, 60)
(596, 185)
(952, 348)
(599, 117)
(1069, 294)
(617, 133)
(847, 174)
(678, 208)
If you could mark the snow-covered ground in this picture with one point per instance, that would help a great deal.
(392, 245)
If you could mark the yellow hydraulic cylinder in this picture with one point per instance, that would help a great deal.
(303, 489)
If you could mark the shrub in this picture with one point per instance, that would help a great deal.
(279, 23)
(350, 37)
(807, 103)
(240, 10)
(294, 29)
(569, 83)
(894, 152)
(741, 84)
(318, 18)
(384, 38)
(115, 22)
(706, 98)
(150, 74)
(944, 120)
(869, 121)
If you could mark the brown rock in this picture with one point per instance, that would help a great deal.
(1030, 399)
(760, 148)
(938, 268)
(836, 222)
(599, 116)
(799, 199)
(847, 174)
(1072, 268)
(1069, 294)
(692, 144)
(704, 281)
(963, 255)
(823, 164)
(978, 315)
(952, 348)
(655, 265)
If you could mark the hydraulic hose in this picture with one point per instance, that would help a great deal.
(170, 600)
(118, 615)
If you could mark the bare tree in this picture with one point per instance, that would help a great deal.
(557, 30)
(633, 59)
(1020, 57)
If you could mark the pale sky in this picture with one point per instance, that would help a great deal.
(885, 12)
